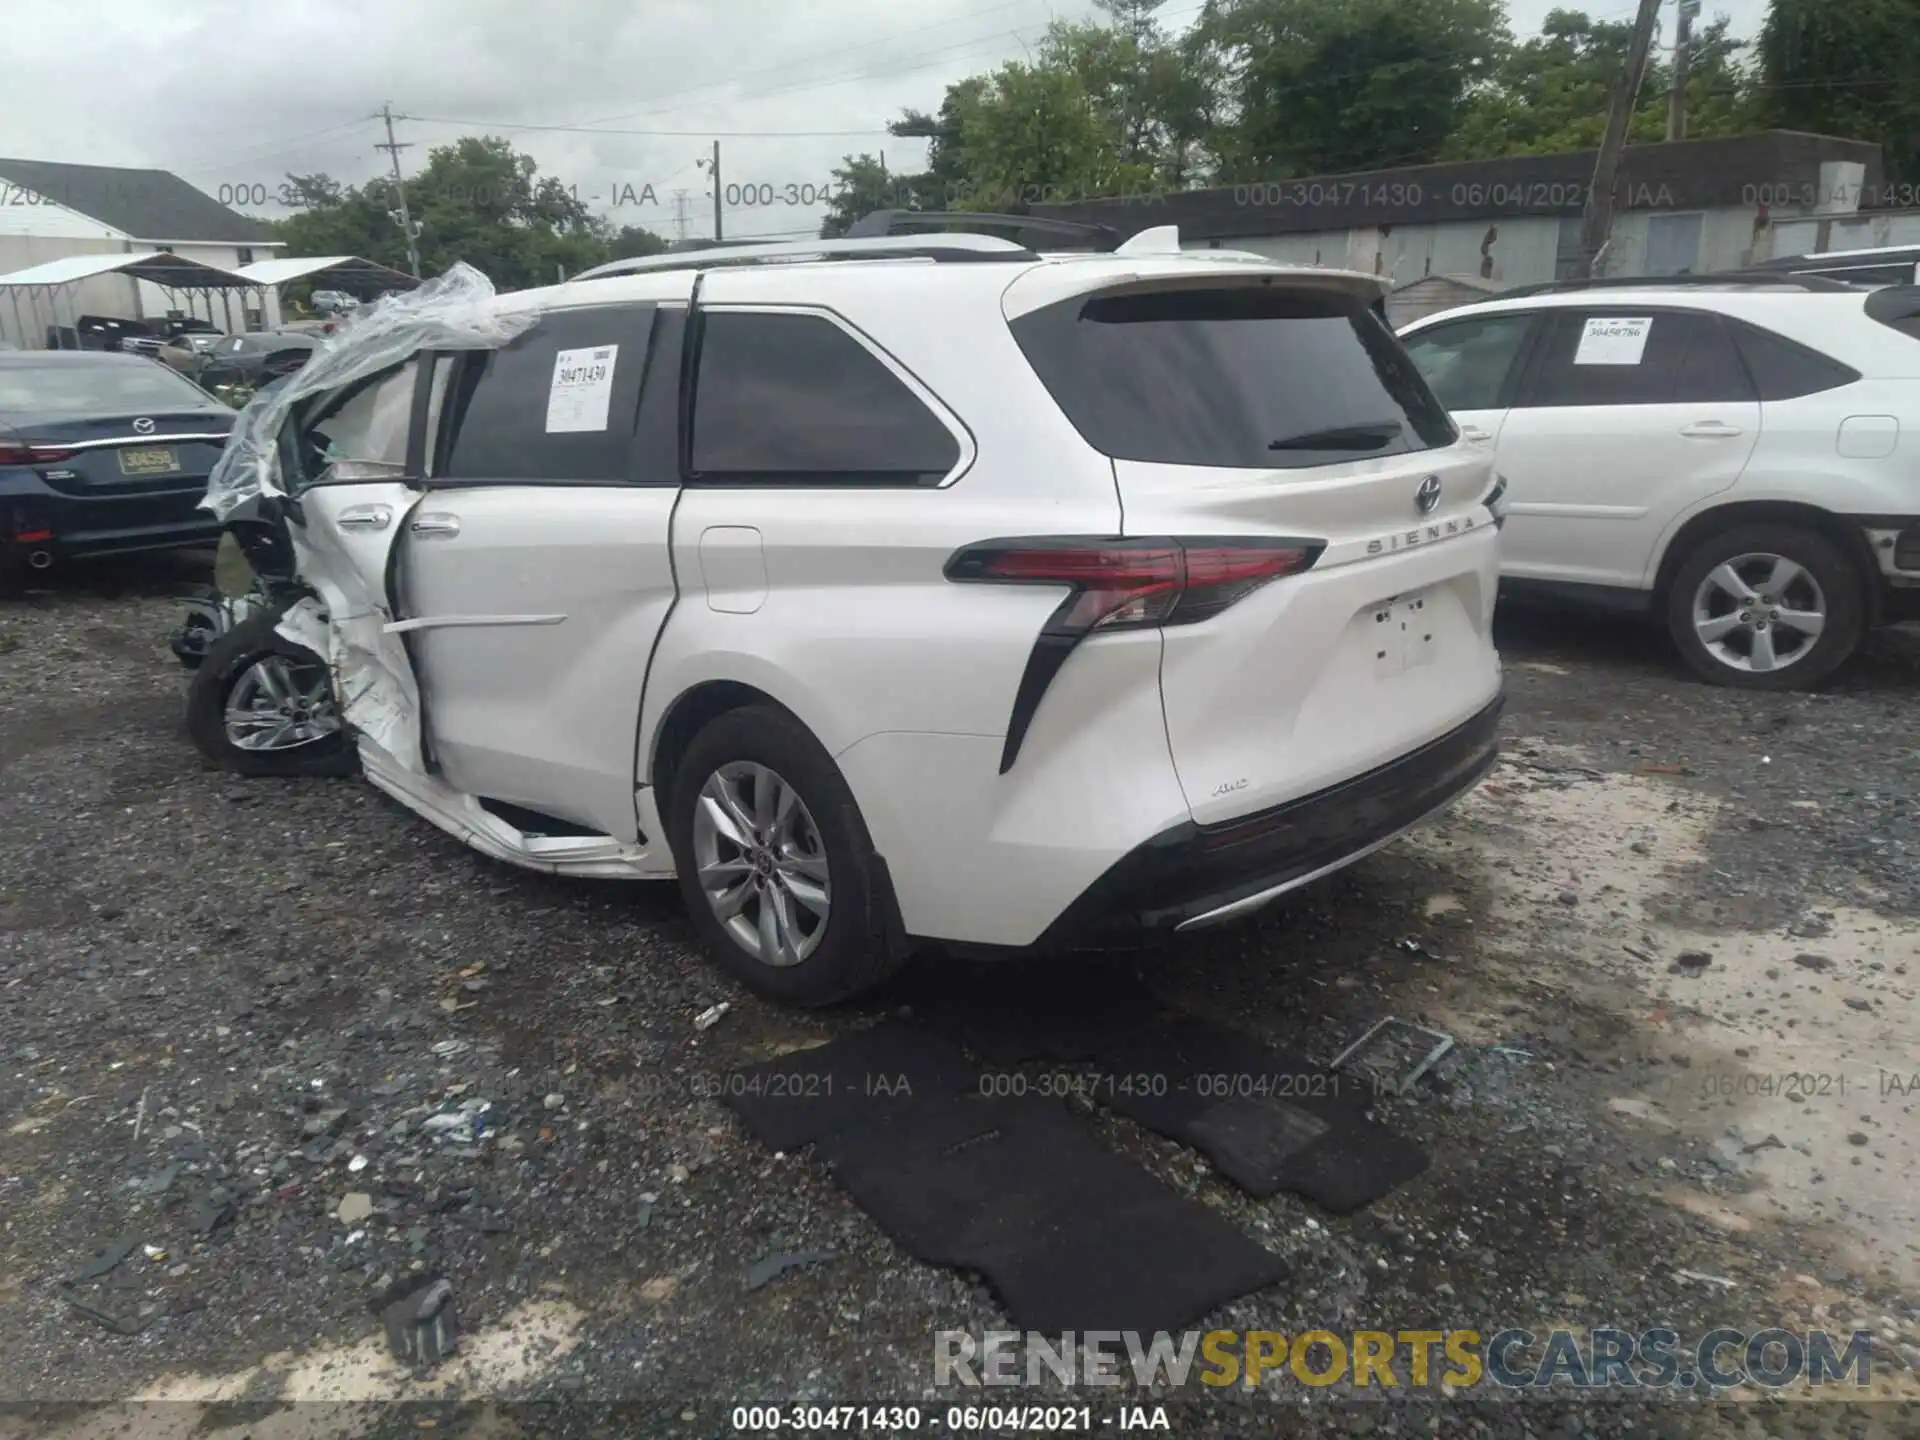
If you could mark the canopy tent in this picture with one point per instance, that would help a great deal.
(364, 279)
(58, 280)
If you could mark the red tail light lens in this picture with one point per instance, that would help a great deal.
(17, 453)
(1125, 584)
(1115, 584)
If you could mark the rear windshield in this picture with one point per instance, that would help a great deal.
(1241, 378)
(110, 387)
(1898, 307)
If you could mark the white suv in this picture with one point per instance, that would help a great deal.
(889, 590)
(1736, 457)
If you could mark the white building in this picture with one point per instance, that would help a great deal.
(49, 211)
(1686, 206)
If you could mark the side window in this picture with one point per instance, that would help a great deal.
(1467, 361)
(1621, 357)
(555, 405)
(795, 399)
(366, 437)
(1784, 369)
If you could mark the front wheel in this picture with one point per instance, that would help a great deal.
(1766, 607)
(776, 865)
(261, 705)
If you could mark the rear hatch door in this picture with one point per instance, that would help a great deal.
(1266, 406)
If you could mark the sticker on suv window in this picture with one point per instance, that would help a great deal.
(1613, 340)
(582, 388)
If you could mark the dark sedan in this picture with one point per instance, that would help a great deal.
(101, 454)
(251, 359)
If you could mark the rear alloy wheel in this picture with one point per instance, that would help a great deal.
(1766, 607)
(775, 862)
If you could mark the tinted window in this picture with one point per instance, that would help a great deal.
(1783, 368)
(796, 398)
(1685, 358)
(557, 404)
(1466, 362)
(104, 389)
(1239, 378)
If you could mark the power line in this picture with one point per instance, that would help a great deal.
(660, 134)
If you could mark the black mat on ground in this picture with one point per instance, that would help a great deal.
(1070, 1235)
(1067, 1015)
(1270, 1121)
(854, 1080)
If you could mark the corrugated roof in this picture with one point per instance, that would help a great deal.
(146, 204)
(178, 272)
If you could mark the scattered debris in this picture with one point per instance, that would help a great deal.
(357, 1164)
(1858, 1138)
(710, 1017)
(1720, 1280)
(153, 1253)
(325, 1124)
(214, 1210)
(769, 1268)
(1772, 1142)
(418, 1315)
(447, 1049)
(1568, 897)
(1690, 961)
(1855, 1002)
(354, 1208)
(1400, 1033)
(1641, 955)
(643, 1217)
(1812, 962)
(659, 1288)
(140, 1115)
(108, 1259)
(119, 1324)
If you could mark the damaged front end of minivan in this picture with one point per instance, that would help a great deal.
(292, 650)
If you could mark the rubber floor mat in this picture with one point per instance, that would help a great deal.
(1070, 1235)
(1270, 1121)
(854, 1080)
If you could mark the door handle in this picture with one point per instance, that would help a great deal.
(1710, 430)
(1475, 434)
(436, 523)
(366, 517)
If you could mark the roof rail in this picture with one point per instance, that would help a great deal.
(732, 254)
(891, 222)
(1783, 278)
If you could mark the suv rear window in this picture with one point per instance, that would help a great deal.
(1897, 307)
(1243, 378)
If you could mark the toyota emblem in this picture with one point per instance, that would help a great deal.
(1428, 495)
(144, 426)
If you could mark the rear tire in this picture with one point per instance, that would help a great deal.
(1727, 599)
(756, 879)
(232, 670)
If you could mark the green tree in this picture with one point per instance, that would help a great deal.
(1324, 86)
(1036, 136)
(1846, 67)
(1550, 93)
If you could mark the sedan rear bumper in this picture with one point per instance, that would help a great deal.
(1193, 876)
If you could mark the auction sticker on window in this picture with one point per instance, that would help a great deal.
(582, 387)
(1613, 340)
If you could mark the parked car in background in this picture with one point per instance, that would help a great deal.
(188, 353)
(244, 361)
(1737, 458)
(1002, 604)
(1883, 265)
(101, 454)
(333, 302)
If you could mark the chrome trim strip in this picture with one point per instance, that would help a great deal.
(441, 622)
(1254, 902)
(122, 440)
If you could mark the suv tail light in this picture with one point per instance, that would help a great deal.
(1116, 584)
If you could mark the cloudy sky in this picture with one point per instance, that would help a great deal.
(611, 96)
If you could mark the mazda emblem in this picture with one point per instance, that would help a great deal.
(1428, 495)
(144, 426)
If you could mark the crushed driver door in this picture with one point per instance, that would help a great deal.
(359, 456)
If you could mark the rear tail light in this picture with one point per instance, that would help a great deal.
(1115, 584)
(18, 452)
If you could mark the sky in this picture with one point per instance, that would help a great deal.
(234, 94)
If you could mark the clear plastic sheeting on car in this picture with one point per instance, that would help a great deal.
(454, 311)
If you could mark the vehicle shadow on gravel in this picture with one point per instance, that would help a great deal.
(152, 576)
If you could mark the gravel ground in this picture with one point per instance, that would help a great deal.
(233, 1008)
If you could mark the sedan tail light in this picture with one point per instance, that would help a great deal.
(20, 452)
(1116, 584)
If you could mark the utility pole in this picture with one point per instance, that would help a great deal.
(393, 148)
(1677, 92)
(1596, 221)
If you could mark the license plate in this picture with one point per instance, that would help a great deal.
(148, 462)
(1403, 633)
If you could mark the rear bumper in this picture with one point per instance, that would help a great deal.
(36, 517)
(1895, 543)
(1192, 875)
